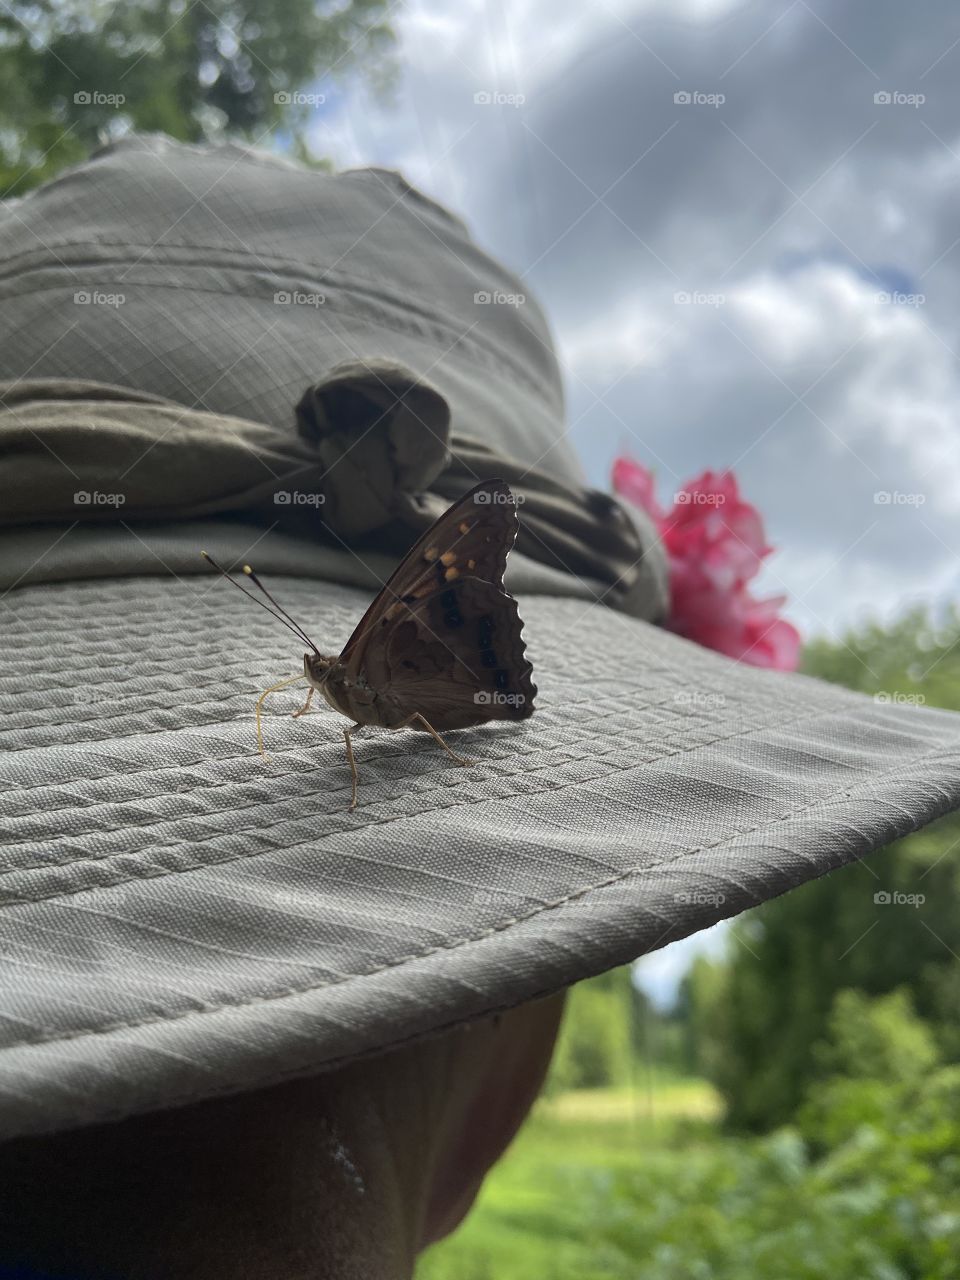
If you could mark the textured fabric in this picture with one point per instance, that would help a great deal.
(372, 451)
(181, 919)
(229, 280)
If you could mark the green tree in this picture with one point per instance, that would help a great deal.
(75, 74)
(880, 1038)
(595, 1047)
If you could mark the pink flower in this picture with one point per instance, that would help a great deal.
(715, 544)
(635, 483)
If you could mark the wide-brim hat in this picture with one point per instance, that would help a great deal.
(210, 348)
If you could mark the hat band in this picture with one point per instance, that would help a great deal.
(373, 450)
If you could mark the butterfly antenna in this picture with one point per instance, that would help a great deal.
(277, 611)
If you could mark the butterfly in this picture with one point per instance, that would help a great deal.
(440, 647)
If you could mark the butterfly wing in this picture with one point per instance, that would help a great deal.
(458, 658)
(473, 537)
(443, 637)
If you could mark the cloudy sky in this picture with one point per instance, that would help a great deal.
(791, 168)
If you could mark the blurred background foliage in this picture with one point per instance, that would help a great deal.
(796, 1113)
(193, 69)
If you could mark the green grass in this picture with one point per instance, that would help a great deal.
(536, 1215)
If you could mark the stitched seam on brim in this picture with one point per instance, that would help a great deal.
(504, 925)
(15, 900)
(588, 733)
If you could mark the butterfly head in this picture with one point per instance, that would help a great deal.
(317, 666)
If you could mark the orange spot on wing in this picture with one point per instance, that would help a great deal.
(464, 527)
(431, 554)
(451, 574)
(448, 557)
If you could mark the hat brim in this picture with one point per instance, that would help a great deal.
(181, 919)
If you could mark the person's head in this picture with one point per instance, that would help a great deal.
(342, 1176)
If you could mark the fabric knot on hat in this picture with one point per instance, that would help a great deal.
(381, 436)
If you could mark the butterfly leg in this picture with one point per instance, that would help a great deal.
(353, 764)
(436, 737)
(306, 705)
(260, 701)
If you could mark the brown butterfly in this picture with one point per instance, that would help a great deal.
(440, 646)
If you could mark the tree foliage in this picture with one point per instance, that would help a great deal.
(75, 74)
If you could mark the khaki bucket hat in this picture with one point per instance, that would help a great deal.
(211, 348)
